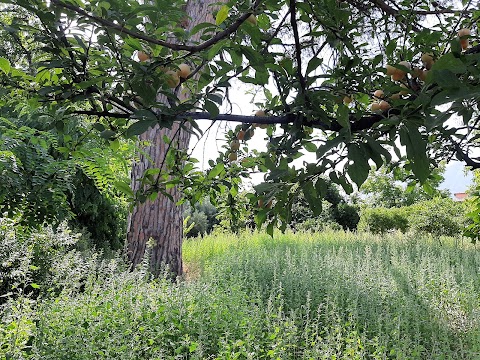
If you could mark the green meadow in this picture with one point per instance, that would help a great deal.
(329, 295)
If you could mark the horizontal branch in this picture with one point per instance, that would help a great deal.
(365, 122)
(173, 46)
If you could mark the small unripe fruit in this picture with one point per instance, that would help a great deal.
(142, 56)
(464, 43)
(391, 70)
(172, 79)
(464, 32)
(398, 76)
(347, 100)
(235, 145)
(404, 92)
(383, 105)
(375, 106)
(232, 157)
(423, 75)
(260, 113)
(252, 19)
(241, 135)
(396, 96)
(184, 71)
(427, 60)
(378, 94)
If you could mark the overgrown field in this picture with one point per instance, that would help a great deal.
(298, 296)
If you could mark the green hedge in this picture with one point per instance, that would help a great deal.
(380, 220)
(438, 217)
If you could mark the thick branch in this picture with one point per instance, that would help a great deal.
(465, 158)
(173, 46)
(363, 123)
(298, 49)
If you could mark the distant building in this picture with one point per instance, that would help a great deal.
(460, 196)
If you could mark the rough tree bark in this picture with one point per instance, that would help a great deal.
(161, 220)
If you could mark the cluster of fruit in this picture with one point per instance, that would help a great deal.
(400, 71)
(244, 132)
(172, 76)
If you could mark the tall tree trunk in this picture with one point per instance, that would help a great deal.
(162, 220)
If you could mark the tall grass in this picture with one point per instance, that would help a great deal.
(329, 295)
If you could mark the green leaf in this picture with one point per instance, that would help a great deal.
(144, 114)
(215, 49)
(107, 134)
(222, 15)
(139, 127)
(265, 187)
(260, 217)
(377, 148)
(451, 63)
(314, 63)
(309, 146)
(211, 108)
(123, 187)
(314, 202)
(115, 145)
(216, 171)
(330, 144)
(5, 65)
(446, 79)
(270, 229)
(343, 116)
(35, 286)
(416, 151)
(358, 171)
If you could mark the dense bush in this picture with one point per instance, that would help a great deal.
(101, 218)
(336, 213)
(346, 215)
(202, 218)
(380, 220)
(42, 262)
(438, 217)
(26, 257)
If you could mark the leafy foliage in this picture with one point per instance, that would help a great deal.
(380, 220)
(203, 218)
(303, 296)
(438, 217)
(334, 211)
(398, 188)
(27, 259)
(84, 62)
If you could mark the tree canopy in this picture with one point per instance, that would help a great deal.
(319, 64)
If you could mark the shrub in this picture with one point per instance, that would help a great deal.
(438, 217)
(317, 224)
(42, 262)
(346, 215)
(202, 218)
(103, 217)
(380, 220)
